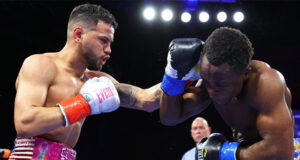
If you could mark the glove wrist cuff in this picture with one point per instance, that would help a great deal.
(74, 109)
(228, 151)
(172, 86)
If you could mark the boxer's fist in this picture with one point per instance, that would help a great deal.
(215, 147)
(101, 95)
(183, 58)
(97, 95)
(183, 63)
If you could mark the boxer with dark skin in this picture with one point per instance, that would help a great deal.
(48, 78)
(251, 97)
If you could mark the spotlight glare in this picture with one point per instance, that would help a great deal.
(238, 17)
(166, 14)
(222, 16)
(186, 17)
(203, 16)
(149, 13)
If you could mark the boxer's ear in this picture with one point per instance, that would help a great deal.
(77, 34)
(247, 72)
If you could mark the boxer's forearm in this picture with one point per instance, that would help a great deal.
(178, 108)
(265, 149)
(276, 143)
(275, 126)
(38, 120)
(171, 109)
(137, 98)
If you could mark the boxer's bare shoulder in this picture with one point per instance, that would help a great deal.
(260, 80)
(38, 65)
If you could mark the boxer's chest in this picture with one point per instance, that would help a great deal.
(65, 86)
(240, 117)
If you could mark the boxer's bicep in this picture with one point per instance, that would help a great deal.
(33, 83)
(31, 94)
(274, 123)
(274, 117)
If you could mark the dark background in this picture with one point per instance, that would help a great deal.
(138, 58)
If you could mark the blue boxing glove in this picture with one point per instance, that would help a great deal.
(183, 64)
(215, 147)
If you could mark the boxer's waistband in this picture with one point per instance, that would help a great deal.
(37, 148)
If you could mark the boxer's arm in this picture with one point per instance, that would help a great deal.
(274, 123)
(137, 98)
(30, 117)
(176, 109)
(134, 97)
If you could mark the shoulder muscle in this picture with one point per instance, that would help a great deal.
(37, 69)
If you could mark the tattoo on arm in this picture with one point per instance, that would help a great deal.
(158, 94)
(137, 98)
(126, 94)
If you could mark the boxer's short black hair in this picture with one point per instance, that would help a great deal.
(91, 14)
(228, 45)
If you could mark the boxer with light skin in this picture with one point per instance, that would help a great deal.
(56, 91)
(251, 97)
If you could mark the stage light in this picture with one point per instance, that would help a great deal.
(166, 14)
(186, 17)
(221, 16)
(203, 16)
(238, 17)
(149, 13)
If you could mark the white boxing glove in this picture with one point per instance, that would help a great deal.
(101, 95)
(97, 95)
